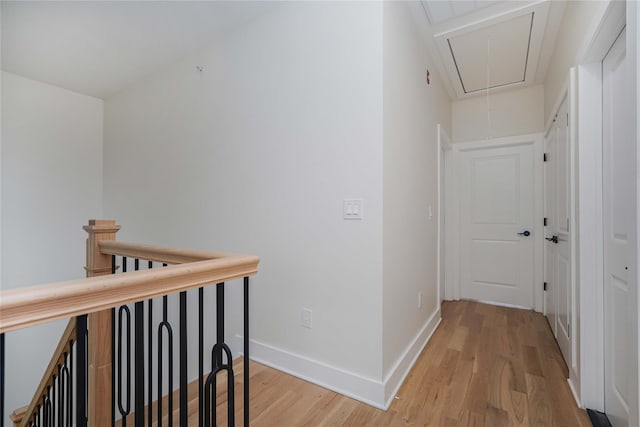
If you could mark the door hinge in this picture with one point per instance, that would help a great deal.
(545, 286)
(567, 225)
(544, 157)
(567, 119)
(544, 222)
(568, 330)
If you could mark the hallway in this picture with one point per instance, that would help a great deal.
(485, 366)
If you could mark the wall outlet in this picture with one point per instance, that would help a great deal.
(419, 299)
(307, 318)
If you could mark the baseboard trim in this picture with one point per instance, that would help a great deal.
(574, 393)
(366, 390)
(378, 394)
(403, 366)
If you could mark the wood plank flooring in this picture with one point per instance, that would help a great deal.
(485, 366)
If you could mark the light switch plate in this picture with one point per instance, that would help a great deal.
(352, 209)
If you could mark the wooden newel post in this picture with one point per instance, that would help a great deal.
(99, 339)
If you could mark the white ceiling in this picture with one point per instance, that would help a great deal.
(491, 45)
(444, 10)
(100, 47)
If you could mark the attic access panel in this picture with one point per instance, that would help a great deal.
(493, 56)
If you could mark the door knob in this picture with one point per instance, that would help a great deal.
(553, 239)
(525, 233)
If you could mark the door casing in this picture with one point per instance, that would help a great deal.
(590, 199)
(452, 286)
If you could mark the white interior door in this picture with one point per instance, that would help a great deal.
(558, 294)
(496, 204)
(620, 231)
(561, 230)
(551, 249)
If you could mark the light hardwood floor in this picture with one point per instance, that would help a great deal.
(485, 366)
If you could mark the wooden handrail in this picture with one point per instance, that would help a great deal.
(23, 307)
(101, 291)
(64, 347)
(157, 253)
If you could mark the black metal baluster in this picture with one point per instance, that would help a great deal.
(139, 363)
(183, 359)
(46, 405)
(81, 374)
(164, 325)
(219, 320)
(210, 387)
(246, 352)
(72, 345)
(60, 396)
(2, 380)
(65, 392)
(217, 355)
(52, 397)
(200, 355)
(218, 365)
(113, 353)
(126, 407)
(139, 358)
(150, 359)
(59, 421)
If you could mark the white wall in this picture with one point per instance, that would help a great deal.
(255, 155)
(580, 21)
(412, 111)
(510, 113)
(634, 24)
(51, 185)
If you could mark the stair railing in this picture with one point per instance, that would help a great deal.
(94, 359)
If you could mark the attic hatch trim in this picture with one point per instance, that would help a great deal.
(524, 74)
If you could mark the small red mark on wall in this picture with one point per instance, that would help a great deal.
(428, 77)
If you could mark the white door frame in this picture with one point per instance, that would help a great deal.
(570, 94)
(590, 209)
(452, 287)
(444, 152)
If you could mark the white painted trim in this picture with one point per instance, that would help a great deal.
(507, 141)
(451, 242)
(537, 140)
(556, 107)
(499, 304)
(376, 393)
(589, 168)
(633, 47)
(403, 366)
(444, 146)
(366, 390)
(573, 364)
(590, 250)
(573, 392)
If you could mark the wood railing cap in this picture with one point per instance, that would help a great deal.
(18, 414)
(101, 225)
(34, 305)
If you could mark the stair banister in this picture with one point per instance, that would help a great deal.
(92, 301)
(100, 344)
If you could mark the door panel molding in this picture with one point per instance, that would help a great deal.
(453, 288)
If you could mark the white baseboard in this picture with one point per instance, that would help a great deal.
(401, 369)
(574, 392)
(367, 390)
